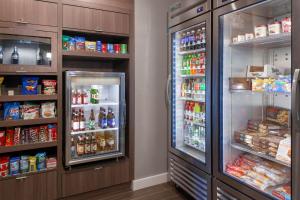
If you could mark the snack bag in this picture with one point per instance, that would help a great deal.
(49, 87)
(14, 165)
(32, 164)
(52, 132)
(41, 161)
(9, 138)
(30, 111)
(30, 85)
(17, 136)
(48, 110)
(2, 138)
(11, 111)
(24, 164)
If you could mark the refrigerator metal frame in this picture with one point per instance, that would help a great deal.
(68, 110)
(194, 21)
(217, 90)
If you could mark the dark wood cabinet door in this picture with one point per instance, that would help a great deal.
(31, 187)
(42, 13)
(89, 179)
(13, 10)
(78, 17)
(111, 22)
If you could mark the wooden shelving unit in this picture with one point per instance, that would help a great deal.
(25, 147)
(40, 97)
(26, 175)
(94, 55)
(10, 123)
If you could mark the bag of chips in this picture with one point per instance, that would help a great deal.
(30, 85)
(48, 110)
(14, 165)
(11, 111)
(32, 164)
(24, 164)
(41, 161)
(49, 87)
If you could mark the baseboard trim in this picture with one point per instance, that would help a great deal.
(149, 181)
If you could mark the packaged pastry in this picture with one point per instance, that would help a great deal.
(90, 46)
(34, 134)
(284, 152)
(17, 136)
(240, 83)
(235, 39)
(11, 111)
(48, 110)
(30, 85)
(260, 31)
(49, 87)
(274, 28)
(32, 164)
(30, 111)
(286, 25)
(241, 38)
(2, 137)
(24, 164)
(283, 192)
(51, 163)
(278, 115)
(14, 165)
(43, 133)
(258, 85)
(9, 137)
(52, 132)
(249, 36)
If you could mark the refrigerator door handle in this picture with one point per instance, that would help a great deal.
(124, 115)
(168, 90)
(295, 97)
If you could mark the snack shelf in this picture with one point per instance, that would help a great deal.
(10, 123)
(257, 92)
(192, 51)
(24, 147)
(192, 76)
(104, 103)
(25, 175)
(41, 97)
(201, 100)
(93, 131)
(262, 155)
(283, 39)
(94, 55)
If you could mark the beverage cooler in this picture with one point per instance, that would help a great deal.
(95, 116)
(189, 100)
(256, 104)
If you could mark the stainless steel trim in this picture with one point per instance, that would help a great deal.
(21, 178)
(99, 30)
(122, 122)
(98, 168)
(295, 98)
(168, 90)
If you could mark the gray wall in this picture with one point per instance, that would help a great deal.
(150, 82)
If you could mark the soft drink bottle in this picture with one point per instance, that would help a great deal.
(192, 40)
(187, 41)
(189, 63)
(193, 64)
(198, 64)
(183, 67)
(182, 42)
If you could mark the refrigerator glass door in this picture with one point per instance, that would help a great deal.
(95, 117)
(256, 96)
(189, 92)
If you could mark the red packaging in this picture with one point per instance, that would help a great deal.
(34, 134)
(2, 138)
(286, 25)
(9, 138)
(4, 166)
(52, 131)
(17, 136)
(117, 48)
(104, 48)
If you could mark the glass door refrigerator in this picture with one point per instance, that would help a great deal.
(256, 98)
(189, 101)
(95, 116)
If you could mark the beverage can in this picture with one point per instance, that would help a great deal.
(99, 46)
(110, 48)
(104, 48)
(117, 48)
(124, 48)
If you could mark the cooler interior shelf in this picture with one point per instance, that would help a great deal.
(192, 51)
(10, 123)
(283, 39)
(6, 98)
(94, 55)
(262, 155)
(24, 147)
(94, 131)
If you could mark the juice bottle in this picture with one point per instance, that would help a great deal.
(111, 120)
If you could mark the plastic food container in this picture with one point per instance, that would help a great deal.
(274, 28)
(241, 38)
(235, 39)
(286, 25)
(260, 31)
(249, 36)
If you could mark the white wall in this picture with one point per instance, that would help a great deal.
(151, 50)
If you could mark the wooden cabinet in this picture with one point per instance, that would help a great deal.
(85, 180)
(78, 17)
(29, 12)
(31, 187)
(95, 20)
(111, 22)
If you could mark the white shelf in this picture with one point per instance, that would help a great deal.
(104, 103)
(195, 147)
(283, 39)
(244, 148)
(201, 99)
(192, 51)
(93, 131)
(255, 92)
(195, 123)
(193, 76)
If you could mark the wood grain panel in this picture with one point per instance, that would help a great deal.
(78, 17)
(86, 180)
(12, 10)
(112, 22)
(43, 13)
